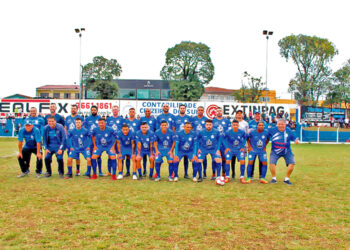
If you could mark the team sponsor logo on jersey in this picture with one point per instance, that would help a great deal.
(186, 146)
(260, 144)
(209, 143)
(165, 143)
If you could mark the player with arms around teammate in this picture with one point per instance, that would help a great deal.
(54, 141)
(234, 142)
(185, 145)
(103, 139)
(59, 119)
(79, 142)
(281, 137)
(257, 141)
(36, 120)
(32, 138)
(126, 148)
(164, 147)
(209, 143)
(144, 141)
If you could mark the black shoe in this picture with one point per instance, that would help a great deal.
(186, 176)
(68, 176)
(288, 182)
(204, 175)
(144, 174)
(127, 174)
(200, 179)
(151, 178)
(47, 175)
(61, 176)
(273, 181)
(139, 178)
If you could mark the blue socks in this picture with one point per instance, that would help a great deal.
(195, 169)
(94, 165)
(213, 166)
(199, 169)
(151, 172)
(205, 164)
(186, 165)
(263, 171)
(171, 168)
(99, 162)
(158, 164)
(109, 166)
(139, 170)
(176, 169)
(218, 169)
(227, 169)
(127, 163)
(70, 170)
(243, 170)
(88, 171)
(114, 167)
(249, 170)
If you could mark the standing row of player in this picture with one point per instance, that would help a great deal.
(174, 137)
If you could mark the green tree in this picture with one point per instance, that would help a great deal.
(106, 89)
(188, 61)
(185, 91)
(342, 80)
(251, 89)
(311, 55)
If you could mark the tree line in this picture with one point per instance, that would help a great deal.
(188, 68)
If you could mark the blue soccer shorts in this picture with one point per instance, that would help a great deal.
(109, 151)
(262, 156)
(75, 154)
(163, 153)
(213, 154)
(288, 157)
(239, 155)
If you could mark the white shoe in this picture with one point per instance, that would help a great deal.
(176, 179)
(157, 179)
(22, 175)
(120, 177)
(171, 179)
(134, 177)
(194, 179)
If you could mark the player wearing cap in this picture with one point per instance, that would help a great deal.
(79, 141)
(54, 141)
(164, 146)
(281, 137)
(257, 141)
(253, 124)
(32, 138)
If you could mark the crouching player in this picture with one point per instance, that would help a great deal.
(79, 141)
(234, 142)
(281, 137)
(126, 148)
(144, 141)
(209, 141)
(257, 141)
(185, 145)
(164, 147)
(32, 138)
(103, 139)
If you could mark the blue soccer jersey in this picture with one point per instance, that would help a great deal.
(235, 141)
(209, 140)
(70, 121)
(253, 125)
(38, 122)
(104, 138)
(31, 138)
(115, 123)
(186, 142)
(169, 118)
(151, 121)
(258, 140)
(280, 141)
(198, 123)
(91, 122)
(164, 141)
(145, 140)
(179, 122)
(59, 119)
(221, 125)
(134, 125)
(126, 140)
(79, 139)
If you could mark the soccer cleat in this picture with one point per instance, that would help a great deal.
(134, 177)
(144, 174)
(27, 172)
(287, 182)
(93, 177)
(47, 175)
(194, 179)
(186, 176)
(204, 175)
(248, 181)
(114, 177)
(86, 174)
(170, 179)
(227, 179)
(233, 176)
(127, 174)
(213, 177)
(38, 175)
(151, 178)
(109, 174)
(61, 176)
(139, 178)
(77, 173)
(22, 175)
(157, 179)
(263, 181)
(176, 179)
(273, 181)
(100, 174)
(120, 177)
(200, 179)
(243, 181)
(155, 175)
(68, 176)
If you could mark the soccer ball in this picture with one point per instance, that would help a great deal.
(220, 181)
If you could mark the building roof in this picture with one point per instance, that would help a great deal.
(142, 84)
(58, 87)
(217, 90)
(18, 96)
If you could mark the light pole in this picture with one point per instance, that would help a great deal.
(79, 31)
(267, 33)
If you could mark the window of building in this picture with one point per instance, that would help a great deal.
(222, 97)
(264, 99)
(44, 95)
(76, 95)
(154, 93)
(143, 94)
(56, 95)
(165, 93)
(66, 96)
(127, 93)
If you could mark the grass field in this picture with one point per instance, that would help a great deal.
(81, 213)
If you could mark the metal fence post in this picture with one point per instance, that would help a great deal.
(338, 135)
(301, 133)
(318, 134)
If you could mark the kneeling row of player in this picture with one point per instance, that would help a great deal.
(163, 143)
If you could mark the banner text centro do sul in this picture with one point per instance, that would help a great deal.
(105, 107)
